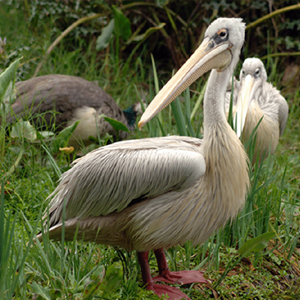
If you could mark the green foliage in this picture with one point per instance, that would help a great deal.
(106, 35)
(13, 253)
(122, 24)
(119, 26)
(256, 244)
(6, 77)
(68, 269)
(117, 125)
(113, 278)
(23, 129)
(172, 43)
(62, 138)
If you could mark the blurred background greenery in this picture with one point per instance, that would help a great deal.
(170, 30)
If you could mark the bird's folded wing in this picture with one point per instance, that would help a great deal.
(114, 177)
(61, 93)
(274, 105)
(283, 113)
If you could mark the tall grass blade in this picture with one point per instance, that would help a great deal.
(52, 161)
(230, 114)
(199, 101)
(179, 117)
(156, 86)
(188, 113)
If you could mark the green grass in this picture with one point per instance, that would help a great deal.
(75, 270)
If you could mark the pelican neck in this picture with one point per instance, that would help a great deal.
(214, 99)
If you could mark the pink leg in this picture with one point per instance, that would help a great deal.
(158, 289)
(181, 277)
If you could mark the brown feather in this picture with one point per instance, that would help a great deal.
(61, 100)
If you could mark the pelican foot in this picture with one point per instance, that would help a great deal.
(180, 277)
(172, 292)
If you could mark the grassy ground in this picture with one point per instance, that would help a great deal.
(75, 270)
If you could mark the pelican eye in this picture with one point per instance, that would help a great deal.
(221, 36)
(243, 72)
(257, 73)
(223, 33)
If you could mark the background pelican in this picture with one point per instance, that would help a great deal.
(61, 100)
(159, 192)
(254, 98)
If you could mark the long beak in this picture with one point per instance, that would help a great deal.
(204, 59)
(243, 104)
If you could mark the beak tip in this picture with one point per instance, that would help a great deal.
(140, 125)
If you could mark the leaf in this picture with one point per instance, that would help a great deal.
(256, 244)
(122, 26)
(61, 140)
(106, 34)
(117, 125)
(161, 3)
(44, 134)
(8, 75)
(10, 94)
(23, 129)
(41, 291)
(112, 279)
(148, 32)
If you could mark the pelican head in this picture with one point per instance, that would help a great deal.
(252, 76)
(219, 50)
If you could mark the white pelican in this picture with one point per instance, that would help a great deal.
(254, 98)
(62, 100)
(159, 192)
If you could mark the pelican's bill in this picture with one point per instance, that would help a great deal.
(208, 56)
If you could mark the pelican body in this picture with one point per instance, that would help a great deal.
(254, 99)
(60, 100)
(156, 193)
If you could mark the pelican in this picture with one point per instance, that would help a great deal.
(154, 193)
(73, 98)
(254, 98)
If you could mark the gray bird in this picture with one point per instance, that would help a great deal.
(155, 193)
(254, 98)
(61, 100)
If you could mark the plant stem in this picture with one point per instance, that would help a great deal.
(272, 14)
(280, 54)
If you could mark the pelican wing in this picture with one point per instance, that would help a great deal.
(274, 105)
(114, 177)
(283, 111)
